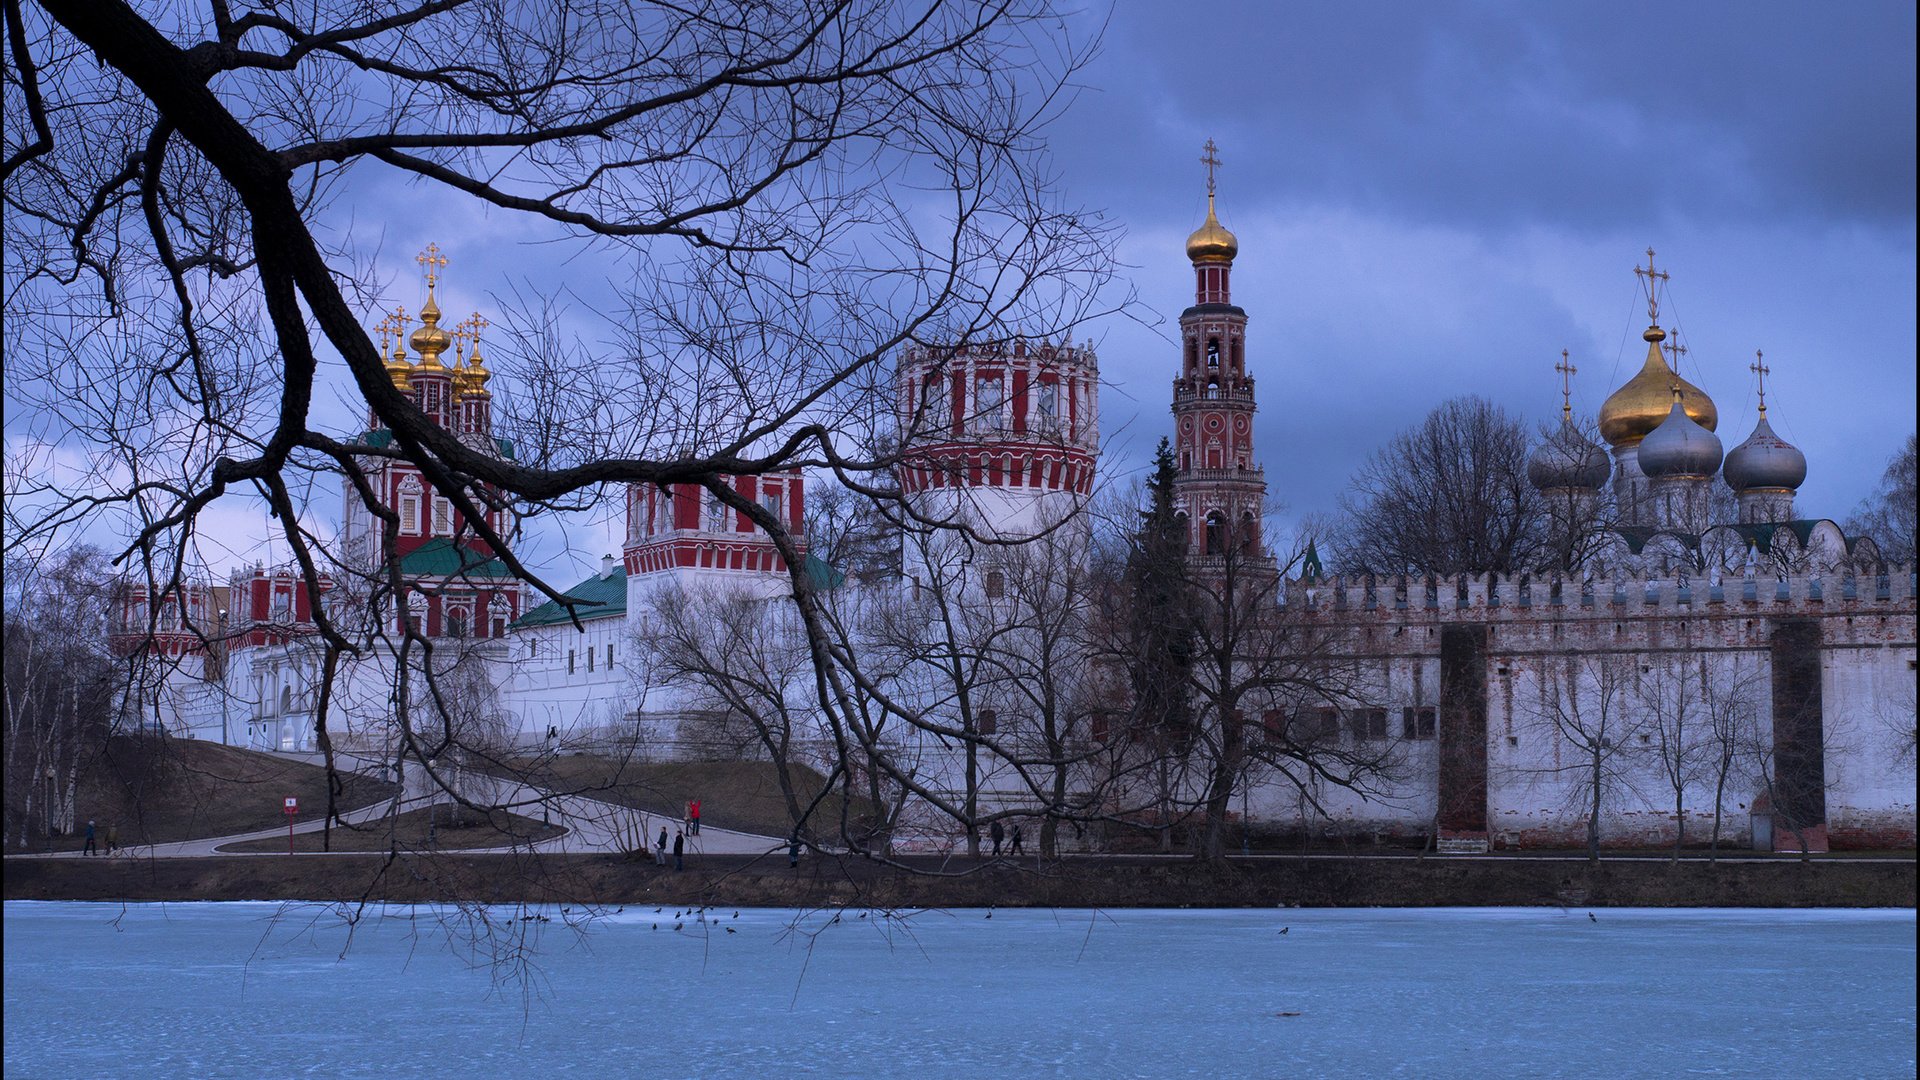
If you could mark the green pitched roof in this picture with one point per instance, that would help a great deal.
(381, 438)
(439, 557)
(820, 575)
(598, 598)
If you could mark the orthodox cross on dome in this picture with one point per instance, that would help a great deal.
(1652, 279)
(476, 325)
(1567, 371)
(400, 324)
(433, 261)
(1675, 351)
(1761, 371)
(1211, 159)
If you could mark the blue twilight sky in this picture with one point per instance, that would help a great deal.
(1435, 199)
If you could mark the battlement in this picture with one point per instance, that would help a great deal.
(1516, 597)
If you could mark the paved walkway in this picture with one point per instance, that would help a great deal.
(592, 825)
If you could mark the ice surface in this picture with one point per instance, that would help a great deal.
(271, 990)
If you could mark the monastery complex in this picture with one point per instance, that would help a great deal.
(1503, 701)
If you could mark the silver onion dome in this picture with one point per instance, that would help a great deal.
(1765, 460)
(1568, 460)
(1679, 447)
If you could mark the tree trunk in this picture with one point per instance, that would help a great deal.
(1593, 813)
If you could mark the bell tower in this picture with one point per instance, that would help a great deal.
(1219, 489)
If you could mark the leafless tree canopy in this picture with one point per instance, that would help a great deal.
(1888, 515)
(1448, 496)
(784, 193)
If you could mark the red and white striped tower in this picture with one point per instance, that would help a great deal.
(1003, 436)
(1219, 489)
(684, 534)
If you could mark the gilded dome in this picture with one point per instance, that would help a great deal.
(1642, 404)
(1765, 460)
(1679, 447)
(1567, 460)
(1211, 241)
(430, 341)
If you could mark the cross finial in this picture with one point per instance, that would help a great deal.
(1567, 371)
(434, 263)
(1761, 371)
(1675, 351)
(400, 324)
(1652, 279)
(477, 324)
(1211, 159)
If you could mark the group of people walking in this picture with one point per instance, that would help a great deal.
(113, 839)
(689, 826)
(998, 833)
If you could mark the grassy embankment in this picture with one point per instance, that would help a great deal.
(743, 796)
(159, 790)
(428, 829)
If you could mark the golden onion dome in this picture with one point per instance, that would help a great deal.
(477, 374)
(1643, 403)
(430, 341)
(1211, 241)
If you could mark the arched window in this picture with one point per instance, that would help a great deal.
(1213, 352)
(1216, 533)
(286, 700)
(716, 513)
(457, 622)
(986, 721)
(996, 584)
(1249, 532)
(1186, 531)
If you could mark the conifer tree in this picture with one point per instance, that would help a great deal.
(1160, 625)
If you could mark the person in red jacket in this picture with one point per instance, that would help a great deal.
(693, 817)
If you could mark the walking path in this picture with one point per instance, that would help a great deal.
(592, 825)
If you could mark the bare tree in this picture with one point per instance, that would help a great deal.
(1888, 515)
(1730, 692)
(1587, 706)
(794, 192)
(59, 686)
(1449, 496)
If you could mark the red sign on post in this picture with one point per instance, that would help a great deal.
(293, 810)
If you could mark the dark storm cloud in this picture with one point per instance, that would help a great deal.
(1505, 115)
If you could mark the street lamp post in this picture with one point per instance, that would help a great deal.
(49, 808)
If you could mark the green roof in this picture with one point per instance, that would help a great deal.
(381, 438)
(439, 557)
(598, 598)
(820, 575)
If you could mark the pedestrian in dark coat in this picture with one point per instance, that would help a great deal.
(1016, 840)
(793, 854)
(997, 833)
(89, 849)
(679, 849)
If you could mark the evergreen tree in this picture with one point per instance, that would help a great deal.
(1160, 623)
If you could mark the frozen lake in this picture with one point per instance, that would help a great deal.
(265, 990)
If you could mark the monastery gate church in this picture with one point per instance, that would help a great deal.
(1497, 699)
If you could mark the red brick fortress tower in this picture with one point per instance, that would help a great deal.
(1219, 489)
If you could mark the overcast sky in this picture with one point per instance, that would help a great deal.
(1435, 199)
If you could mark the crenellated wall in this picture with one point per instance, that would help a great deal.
(1818, 668)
